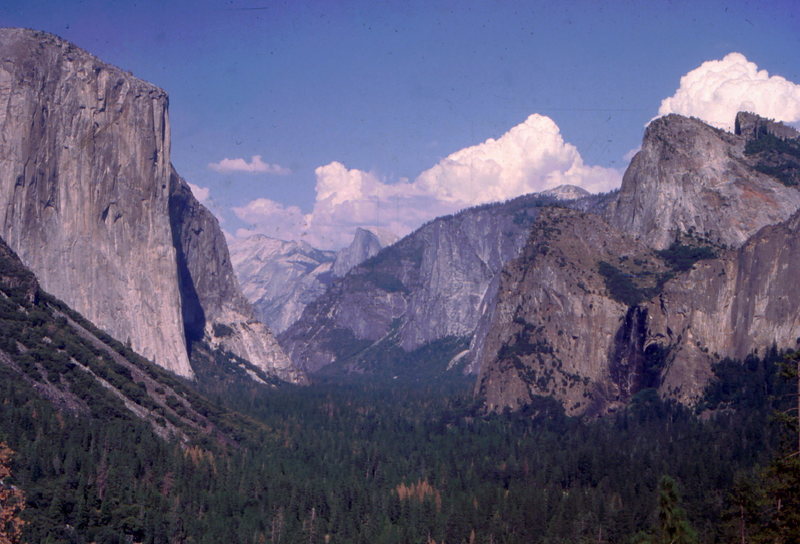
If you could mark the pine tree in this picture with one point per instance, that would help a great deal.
(782, 477)
(673, 526)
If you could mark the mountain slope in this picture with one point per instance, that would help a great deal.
(281, 278)
(430, 286)
(66, 360)
(591, 313)
(213, 307)
(89, 201)
(691, 178)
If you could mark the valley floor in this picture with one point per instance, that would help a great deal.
(395, 463)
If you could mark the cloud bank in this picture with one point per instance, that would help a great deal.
(530, 157)
(718, 89)
(256, 165)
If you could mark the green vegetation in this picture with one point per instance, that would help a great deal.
(385, 361)
(621, 285)
(770, 143)
(365, 460)
(632, 282)
(776, 157)
(680, 257)
(360, 461)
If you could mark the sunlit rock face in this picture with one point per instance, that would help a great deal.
(365, 244)
(280, 278)
(557, 330)
(90, 203)
(594, 310)
(90, 219)
(431, 285)
(690, 177)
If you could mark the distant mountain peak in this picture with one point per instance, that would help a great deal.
(566, 192)
(365, 244)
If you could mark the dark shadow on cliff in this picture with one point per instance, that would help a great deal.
(194, 318)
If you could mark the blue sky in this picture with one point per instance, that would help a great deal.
(361, 102)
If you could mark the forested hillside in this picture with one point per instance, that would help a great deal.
(359, 462)
(110, 448)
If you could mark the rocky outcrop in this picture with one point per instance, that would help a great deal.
(91, 221)
(281, 278)
(90, 203)
(364, 245)
(753, 127)
(431, 285)
(214, 309)
(771, 148)
(745, 301)
(692, 179)
(566, 192)
(559, 329)
(554, 327)
(593, 312)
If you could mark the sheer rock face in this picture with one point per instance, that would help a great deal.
(693, 178)
(553, 325)
(213, 306)
(745, 301)
(557, 331)
(281, 278)
(430, 285)
(364, 245)
(90, 203)
(91, 221)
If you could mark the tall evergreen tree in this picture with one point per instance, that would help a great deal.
(673, 526)
(782, 477)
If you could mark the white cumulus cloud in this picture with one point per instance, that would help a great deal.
(200, 193)
(531, 157)
(256, 165)
(272, 218)
(718, 89)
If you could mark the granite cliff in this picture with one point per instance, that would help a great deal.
(691, 178)
(213, 307)
(365, 244)
(49, 351)
(281, 278)
(694, 263)
(432, 286)
(89, 201)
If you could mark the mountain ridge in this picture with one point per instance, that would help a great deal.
(98, 227)
(429, 286)
(660, 294)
